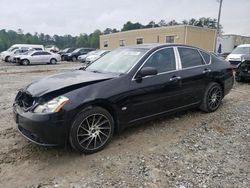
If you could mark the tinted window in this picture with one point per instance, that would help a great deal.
(205, 56)
(36, 53)
(163, 60)
(45, 53)
(190, 57)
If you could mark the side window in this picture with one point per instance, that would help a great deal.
(45, 53)
(36, 54)
(206, 57)
(163, 60)
(190, 57)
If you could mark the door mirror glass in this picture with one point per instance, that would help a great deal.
(146, 71)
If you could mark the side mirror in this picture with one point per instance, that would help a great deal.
(146, 71)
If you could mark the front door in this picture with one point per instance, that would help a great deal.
(153, 95)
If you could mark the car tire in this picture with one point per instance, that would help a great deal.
(91, 130)
(238, 78)
(7, 58)
(53, 61)
(212, 98)
(74, 59)
(25, 62)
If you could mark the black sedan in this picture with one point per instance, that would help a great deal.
(65, 51)
(77, 52)
(126, 86)
(242, 72)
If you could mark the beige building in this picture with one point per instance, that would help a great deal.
(182, 34)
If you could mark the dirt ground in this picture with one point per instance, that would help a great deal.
(188, 149)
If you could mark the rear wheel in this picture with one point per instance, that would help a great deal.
(212, 98)
(91, 130)
(25, 62)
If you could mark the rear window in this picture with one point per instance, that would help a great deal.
(206, 57)
(190, 57)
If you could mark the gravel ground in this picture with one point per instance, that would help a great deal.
(188, 149)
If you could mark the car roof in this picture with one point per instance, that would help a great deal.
(149, 46)
(244, 45)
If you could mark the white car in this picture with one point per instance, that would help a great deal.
(82, 58)
(52, 48)
(37, 57)
(96, 55)
(5, 55)
(238, 53)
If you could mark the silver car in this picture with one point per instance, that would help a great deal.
(37, 57)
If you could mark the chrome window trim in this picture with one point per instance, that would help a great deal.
(210, 58)
(192, 66)
(133, 78)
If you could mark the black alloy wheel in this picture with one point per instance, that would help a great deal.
(91, 130)
(212, 98)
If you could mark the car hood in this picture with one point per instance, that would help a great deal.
(65, 82)
(234, 57)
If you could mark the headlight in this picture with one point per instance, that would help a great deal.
(53, 105)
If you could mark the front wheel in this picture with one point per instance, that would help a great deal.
(25, 62)
(91, 130)
(53, 61)
(74, 59)
(7, 59)
(212, 98)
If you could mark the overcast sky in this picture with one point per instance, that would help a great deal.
(84, 16)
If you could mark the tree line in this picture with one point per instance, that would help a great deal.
(10, 37)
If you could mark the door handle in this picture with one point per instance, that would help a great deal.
(206, 71)
(175, 78)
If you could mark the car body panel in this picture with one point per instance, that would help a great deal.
(129, 99)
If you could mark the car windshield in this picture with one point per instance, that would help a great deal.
(241, 50)
(11, 49)
(76, 50)
(100, 52)
(65, 50)
(119, 61)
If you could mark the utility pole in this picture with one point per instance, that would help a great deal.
(218, 24)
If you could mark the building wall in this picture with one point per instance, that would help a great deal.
(182, 35)
(229, 42)
(201, 37)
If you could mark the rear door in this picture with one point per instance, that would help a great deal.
(46, 57)
(35, 57)
(194, 73)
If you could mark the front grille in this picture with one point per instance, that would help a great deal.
(234, 62)
(24, 100)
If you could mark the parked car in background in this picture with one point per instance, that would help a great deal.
(236, 55)
(16, 52)
(5, 55)
(37, 57)
(242, 72)
(98, 54)
(77, 52)
(82, 58)
(65, 51)
(52, 48)
(128, 85)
